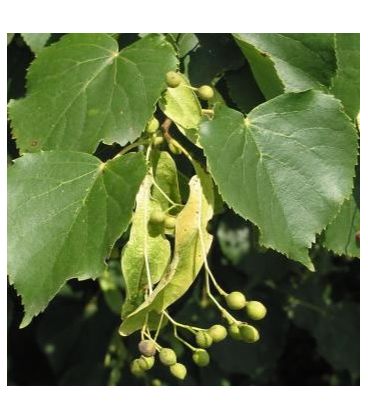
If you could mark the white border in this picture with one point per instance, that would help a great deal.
(181, 402)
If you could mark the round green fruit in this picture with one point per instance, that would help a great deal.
(170, 222)
(152, 125)
(147, 348)
(178, 370)
(157, 217)
(218, 333)
(201, 358)
(234, 332)
(173, 79)
(203, 339)
(157, 141)
(236, 300)
(135, 368)
(205, 92)
(167, 357)
(146, 363)
(255, 310)
(248, 333)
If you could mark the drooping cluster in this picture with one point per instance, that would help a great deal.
(196, 339)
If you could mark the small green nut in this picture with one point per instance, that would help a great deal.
(255, 310)
(248, 333)
(147, 348)
(152, 125)
(157, 141)
(167, 357)
(173, 149)
(218, 333)
(178, 370)
(201, 357)
(236, 300)
(234, 332)
(173, 79)
(157, 217)
(205, 92)
(135, 368)
(203, 339)
(146, 363)
(169, 222)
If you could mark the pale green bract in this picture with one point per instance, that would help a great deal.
(182, 106)
(147, 254)
(65, 211)
(287, 168)
(166, 177)
(188, 256)
(83, 90)
(288, 63)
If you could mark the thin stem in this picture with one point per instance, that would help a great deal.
(165, 128)
(212, 277)
(164, 194)
(176, 335)
(178, 324)
(130, 147)
(180, 147)
(190, 87)
(159, 327)
(205, 262)
(224, 312)
(173, 206)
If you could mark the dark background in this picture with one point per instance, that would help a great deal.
(309, 337)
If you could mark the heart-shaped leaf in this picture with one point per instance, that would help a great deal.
(287, 168)
(65, 211)
(83, 90)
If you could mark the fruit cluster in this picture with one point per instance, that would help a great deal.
(204, 338)
(160, 221)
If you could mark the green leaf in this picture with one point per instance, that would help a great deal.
(188, 256)
(36, 42)
(147, 254)
(182, 106)
(66, 210)
(287, 168)
(185, 42)
(281, 63)
(82, 90)
(339, 236)
(346, 83)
